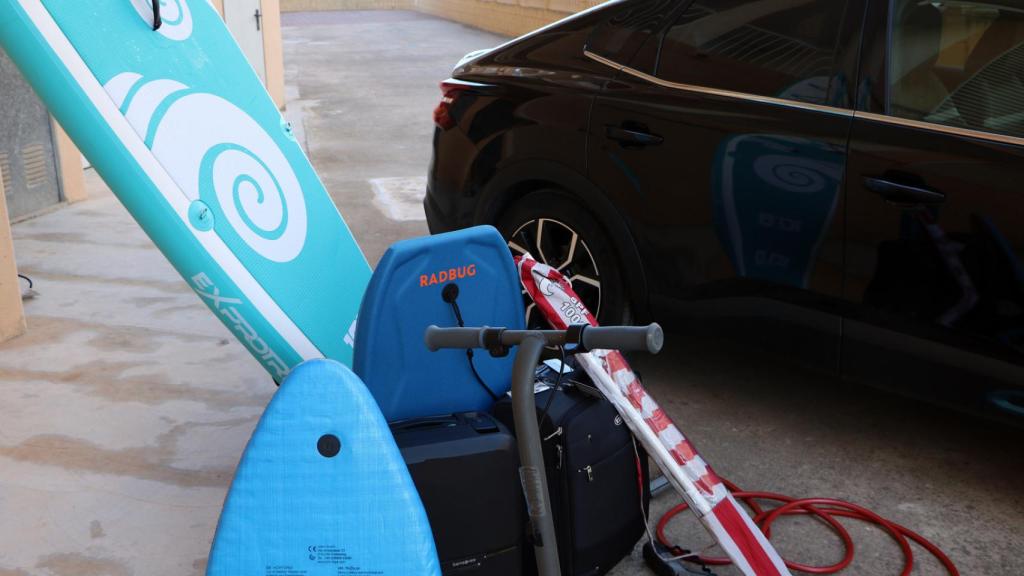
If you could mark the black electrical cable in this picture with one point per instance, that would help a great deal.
(554, 390)
(479, 379)
(31, 284)
(450, 294)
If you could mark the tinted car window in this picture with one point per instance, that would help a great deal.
(630, 25)
(958, 63)
(779, 48)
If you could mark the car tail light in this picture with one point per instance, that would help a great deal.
(449, 94)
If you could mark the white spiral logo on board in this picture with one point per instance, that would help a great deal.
(175, 15)
(212, 148)
(799, 175)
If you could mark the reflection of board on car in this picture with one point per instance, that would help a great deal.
(597, 475)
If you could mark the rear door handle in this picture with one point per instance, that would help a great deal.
(628, 137)
(903, 193)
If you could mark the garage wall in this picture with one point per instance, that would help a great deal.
(508, 17)
(308, 5)
(28, 158)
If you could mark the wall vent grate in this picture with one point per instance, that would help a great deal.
(5, 170)
(36, 163)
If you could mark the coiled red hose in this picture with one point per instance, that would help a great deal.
(828, 510)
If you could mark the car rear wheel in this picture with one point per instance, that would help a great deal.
(557, 231)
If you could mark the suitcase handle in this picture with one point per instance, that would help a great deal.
(648, 338)
(420, 423)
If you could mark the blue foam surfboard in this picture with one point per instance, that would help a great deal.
(322, 489)
(177, 123)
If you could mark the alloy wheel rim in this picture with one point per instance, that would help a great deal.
(558, 245)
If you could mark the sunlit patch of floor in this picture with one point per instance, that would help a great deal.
(400, 199)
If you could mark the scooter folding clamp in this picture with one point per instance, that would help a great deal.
(574, 339)
(491, 339)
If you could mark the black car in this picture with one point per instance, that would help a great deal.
(837, 181)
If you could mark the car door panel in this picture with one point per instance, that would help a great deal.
(735, 197)
(935, 216)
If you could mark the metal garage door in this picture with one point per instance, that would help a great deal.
(245, 20)
(26, 146)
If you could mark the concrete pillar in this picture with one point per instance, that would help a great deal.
(273, 51)
(69, 166)
(12, 316)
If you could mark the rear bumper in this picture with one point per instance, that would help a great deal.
(445, 204)
(437, 223)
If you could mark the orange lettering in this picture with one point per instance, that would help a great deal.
(448, 275)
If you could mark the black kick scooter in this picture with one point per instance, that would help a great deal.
(531, 343)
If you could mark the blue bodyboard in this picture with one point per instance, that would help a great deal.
(404, 297)
(179, 126)
(322, 489)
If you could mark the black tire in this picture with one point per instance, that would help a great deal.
(592, 266)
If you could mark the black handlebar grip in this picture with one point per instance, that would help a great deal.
(648, 338)
(437, 338)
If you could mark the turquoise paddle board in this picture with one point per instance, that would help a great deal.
(179, 126)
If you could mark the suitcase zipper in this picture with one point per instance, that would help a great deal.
(557, 432)
(558, 447)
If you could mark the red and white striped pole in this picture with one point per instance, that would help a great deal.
(685, 469)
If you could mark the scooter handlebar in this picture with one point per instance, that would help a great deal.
(648, 338)
(437, 338)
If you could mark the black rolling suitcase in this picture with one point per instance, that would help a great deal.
(466, 469)
(596, 482)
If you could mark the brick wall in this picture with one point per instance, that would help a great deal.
(306, 5)
(509, 17)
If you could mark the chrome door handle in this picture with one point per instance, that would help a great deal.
(903, 193)
(628, 137)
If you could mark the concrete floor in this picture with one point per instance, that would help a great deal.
(125, 408)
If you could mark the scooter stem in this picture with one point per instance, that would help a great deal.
(531, 472)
